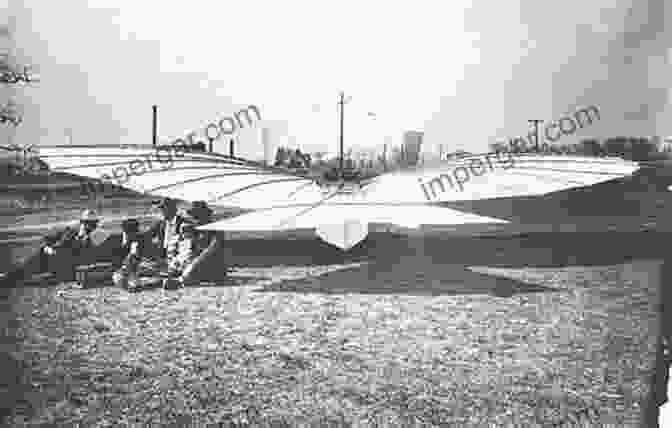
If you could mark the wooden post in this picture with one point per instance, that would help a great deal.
(231, 151)
(154, 123)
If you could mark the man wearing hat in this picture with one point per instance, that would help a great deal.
(203, 264)
(160, 240)
(199, 214)
(164, 233)
(60, 252)
(191, 245)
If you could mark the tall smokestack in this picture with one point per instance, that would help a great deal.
(154, 120)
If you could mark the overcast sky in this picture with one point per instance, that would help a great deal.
(466, 72)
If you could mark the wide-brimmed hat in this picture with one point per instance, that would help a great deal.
(130, 225)
(200, 211)
(189, 225)
(165, 203)
(89, 216)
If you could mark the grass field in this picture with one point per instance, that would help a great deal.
(579, 352)
(517, 328)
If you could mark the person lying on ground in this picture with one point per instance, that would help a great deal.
(61, 252)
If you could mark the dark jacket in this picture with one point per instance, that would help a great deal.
(156, 232)
(114, 250)
(69, 239)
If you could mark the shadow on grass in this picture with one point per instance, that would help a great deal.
(431, 264)
(376, 278)
(438, 265)
(550, 249)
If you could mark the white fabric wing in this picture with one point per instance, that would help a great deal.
(495, 176)
(287, 201)
(310, 217)
(190, 176)
(345, 225)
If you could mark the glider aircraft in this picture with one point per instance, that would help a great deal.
(339, 208)
(340, 205)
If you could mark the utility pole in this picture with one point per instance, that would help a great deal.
(340, 164)
(536, 132)
(154, 121)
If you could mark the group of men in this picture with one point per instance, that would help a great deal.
(172, 249)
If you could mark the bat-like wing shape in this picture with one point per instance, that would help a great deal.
(190, 176)
(282, 200)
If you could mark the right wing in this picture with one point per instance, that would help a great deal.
(491, 176)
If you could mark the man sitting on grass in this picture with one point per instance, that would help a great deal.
(196, 259)
(161, 240)
(208, 262)
(183, 257)
(60, 252)
(128, 255)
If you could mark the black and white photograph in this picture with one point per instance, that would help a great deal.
(335, 213)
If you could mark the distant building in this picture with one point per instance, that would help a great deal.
(411, 147)
(664, 144)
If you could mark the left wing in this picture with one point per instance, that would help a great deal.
(190, 176)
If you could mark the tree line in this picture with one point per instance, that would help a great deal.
(631, 148)
(294, 159)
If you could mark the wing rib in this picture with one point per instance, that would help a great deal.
(313, 206)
